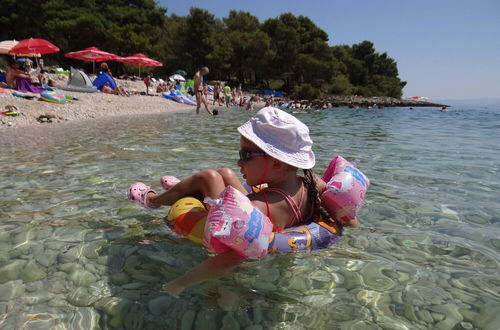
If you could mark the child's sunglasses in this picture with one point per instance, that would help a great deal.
(246, 155)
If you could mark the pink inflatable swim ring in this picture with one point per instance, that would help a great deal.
(345, 189)
(234, 223)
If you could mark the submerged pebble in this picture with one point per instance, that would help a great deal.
(78, 255)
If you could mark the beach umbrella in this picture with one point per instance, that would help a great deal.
(181, 72)
(33, 46)
(176, 77)
(418, 98)
(7, 45)
(139, 60)
(92, 54)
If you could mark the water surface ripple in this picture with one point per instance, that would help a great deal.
(77, 255)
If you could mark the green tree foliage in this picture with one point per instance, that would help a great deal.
(251, 46)
(340, 85)
(290, 51)
(306, 91)
(202, 43)
(21, 19)
(118, 26)
(302, 52)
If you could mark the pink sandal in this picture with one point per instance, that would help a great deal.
(137, 193)
(168, 181)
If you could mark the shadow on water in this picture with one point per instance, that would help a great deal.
(77, 255)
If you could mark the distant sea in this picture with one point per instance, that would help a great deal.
(77, 255)
(477, 102)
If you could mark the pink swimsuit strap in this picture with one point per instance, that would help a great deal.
(297, 215)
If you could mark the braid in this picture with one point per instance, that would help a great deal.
(314, 198)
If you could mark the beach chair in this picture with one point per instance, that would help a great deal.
(102, 78)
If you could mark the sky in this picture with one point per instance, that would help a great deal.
(445, 49)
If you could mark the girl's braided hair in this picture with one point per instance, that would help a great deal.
(313, 194)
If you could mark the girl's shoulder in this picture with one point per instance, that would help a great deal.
(256, 197)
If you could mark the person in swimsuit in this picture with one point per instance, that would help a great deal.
(148, 82)
(217, 91)
(273, 146)
(118, 91)
(15, 73)
(198, 89)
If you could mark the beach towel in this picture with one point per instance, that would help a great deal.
(25, 85)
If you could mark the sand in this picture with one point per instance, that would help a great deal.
(89, 105)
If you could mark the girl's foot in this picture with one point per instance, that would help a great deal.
(168, 181)
(138, 193)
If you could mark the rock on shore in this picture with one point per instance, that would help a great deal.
(339, 101)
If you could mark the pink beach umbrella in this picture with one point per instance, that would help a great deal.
(92, 54)
(139, 60)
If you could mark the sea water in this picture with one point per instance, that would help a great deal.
(75, 254)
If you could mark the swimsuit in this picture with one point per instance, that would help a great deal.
(297, 215)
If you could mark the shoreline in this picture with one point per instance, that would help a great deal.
(90, 106)
(383, 101)
(354, 101)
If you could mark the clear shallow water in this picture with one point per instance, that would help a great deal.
(426, 256)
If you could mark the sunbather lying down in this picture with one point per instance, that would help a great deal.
(119, 90)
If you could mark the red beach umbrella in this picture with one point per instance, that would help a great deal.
(6, 46)
(33, 46)
(139, 60)
(92, 54)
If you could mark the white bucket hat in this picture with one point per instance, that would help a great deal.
(281, 136)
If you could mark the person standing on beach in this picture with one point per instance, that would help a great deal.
(147, 82)
(198, 89)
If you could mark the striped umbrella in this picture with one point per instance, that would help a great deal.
(6, 45)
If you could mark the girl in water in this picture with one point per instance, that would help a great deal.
(274, 145)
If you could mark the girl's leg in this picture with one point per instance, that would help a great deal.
(211, 269)
(207, 182)
(230, 179)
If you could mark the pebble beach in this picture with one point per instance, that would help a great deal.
(88, 106)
